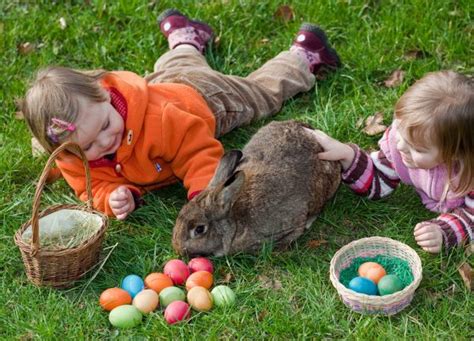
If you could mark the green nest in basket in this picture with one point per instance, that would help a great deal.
(392, 265)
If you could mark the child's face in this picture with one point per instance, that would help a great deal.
(99, 128)
(425, 157)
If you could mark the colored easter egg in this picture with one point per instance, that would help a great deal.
(363, 286)
(199, 279)
(223, 296)
(200, 299)
(171, 294)
(177, 270)
(114, 297)
(177, 311)
(158, 281)
(125, 316)
(375, 274)
(389, 284)
(200, 264)
(366, 266)
(133, 284)
(146, 301)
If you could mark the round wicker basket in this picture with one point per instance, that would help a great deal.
(59, 268)
(371, 247)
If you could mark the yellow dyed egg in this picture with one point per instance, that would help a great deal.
(200, 299)
(146, 301)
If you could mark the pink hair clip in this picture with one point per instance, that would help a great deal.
(58, 127)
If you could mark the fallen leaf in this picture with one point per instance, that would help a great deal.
(285, 13)
(217, 41)
(62, 23)
(465, 271)
(314, 243)
(395, 79)
(270, 283)
(261, 315)
(227, 278)
(264, 40)
(25, 48)
(374, 124)
(415, 54)
(19, 115)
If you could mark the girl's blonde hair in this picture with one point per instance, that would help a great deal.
(439, 109)
(53, 95)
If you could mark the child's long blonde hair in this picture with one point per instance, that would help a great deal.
(53, 97)
(439, 109)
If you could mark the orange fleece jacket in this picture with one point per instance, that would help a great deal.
(168, 135)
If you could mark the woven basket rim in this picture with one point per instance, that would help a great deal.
(27, 247)
(380, 301)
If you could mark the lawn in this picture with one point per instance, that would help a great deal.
(280, 295)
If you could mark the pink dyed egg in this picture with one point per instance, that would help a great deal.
(177, 270)
(177, 311)
(200, 264)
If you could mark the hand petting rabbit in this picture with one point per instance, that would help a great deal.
(268, 193)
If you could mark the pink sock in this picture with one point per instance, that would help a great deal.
(309, 57)
(186, 35)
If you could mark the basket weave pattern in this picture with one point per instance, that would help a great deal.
(371, 247)
(59, 267)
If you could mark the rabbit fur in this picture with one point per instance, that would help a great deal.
(270, 192)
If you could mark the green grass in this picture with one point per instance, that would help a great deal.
(372, 38)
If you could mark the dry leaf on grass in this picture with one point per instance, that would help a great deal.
(261, 315)
(19, 115)
(415, 54)
(374, 124)
(270, 283)
(395, 79)
(25, 48)
(285, 13)
(314, 243)
(62, 23)
(465, 271)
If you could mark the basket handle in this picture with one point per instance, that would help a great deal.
(42, 181)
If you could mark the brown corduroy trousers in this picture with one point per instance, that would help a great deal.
(234, 100)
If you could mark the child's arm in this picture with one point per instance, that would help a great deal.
(450, 229)
(368, 175)
(190, 147)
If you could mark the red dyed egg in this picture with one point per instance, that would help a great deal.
(177, 311)
(199, 279)
(200, 264)
(158, 281)
(177, 270)
(114, 297)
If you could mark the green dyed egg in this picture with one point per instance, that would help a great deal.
(223, 296)
(171, 294)
(389, 284)
(125, 316)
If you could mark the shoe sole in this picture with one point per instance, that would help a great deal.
(172, 11)
(319, 32)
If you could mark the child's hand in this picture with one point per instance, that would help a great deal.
(429, 237)
(121, 202)
(333, 149)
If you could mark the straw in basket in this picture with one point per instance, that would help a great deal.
(60, 267)
(371, 247)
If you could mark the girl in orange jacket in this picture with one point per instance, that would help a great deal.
(139, 134)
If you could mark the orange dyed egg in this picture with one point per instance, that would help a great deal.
(372, 271)
(158, 281)
(114, 297)
(199, 279)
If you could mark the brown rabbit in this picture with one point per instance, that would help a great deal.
(270, 192)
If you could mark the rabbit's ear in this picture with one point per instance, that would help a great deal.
(226, 167)
(228, 194)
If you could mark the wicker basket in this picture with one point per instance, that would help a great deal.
(371, 247)
(59, 268)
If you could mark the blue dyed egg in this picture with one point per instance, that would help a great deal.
(363, 286)
(133, 284)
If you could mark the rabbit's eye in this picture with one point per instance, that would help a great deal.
(198, 230)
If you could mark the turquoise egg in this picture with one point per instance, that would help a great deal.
(125, 316)
(133, 284)
(389, 284)
(363, 286)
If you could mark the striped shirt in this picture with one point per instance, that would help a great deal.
(375, 176)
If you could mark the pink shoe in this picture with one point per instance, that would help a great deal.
(312, 45)
(179, 29)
